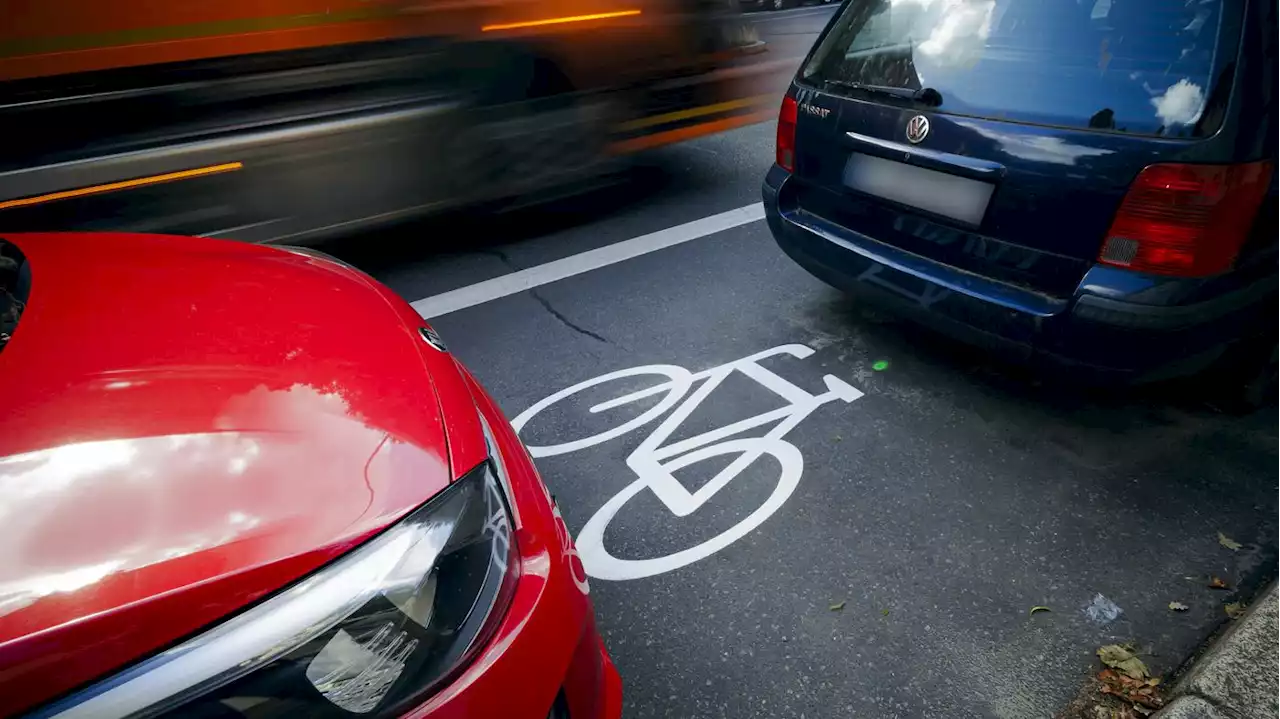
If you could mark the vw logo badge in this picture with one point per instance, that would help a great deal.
(917, 129)
(432, 338)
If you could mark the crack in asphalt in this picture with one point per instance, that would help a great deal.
(502, 256)
(565, 320)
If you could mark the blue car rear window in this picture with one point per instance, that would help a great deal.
(1139, 66)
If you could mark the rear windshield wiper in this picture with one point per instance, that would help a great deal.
(925, 95)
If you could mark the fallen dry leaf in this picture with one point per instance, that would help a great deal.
(1117, 657)
(1148, 700)
(1217, 583)
(1228, 542)
(1235, 610)
(1178, 606)
(1039, 609)
(837, 606)
(1140, 692)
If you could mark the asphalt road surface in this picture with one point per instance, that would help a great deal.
(907, 502)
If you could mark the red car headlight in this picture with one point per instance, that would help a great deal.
(370, 635)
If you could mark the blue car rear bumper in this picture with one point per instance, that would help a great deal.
(1099, 330)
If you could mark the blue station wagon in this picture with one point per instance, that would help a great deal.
(1089, 182)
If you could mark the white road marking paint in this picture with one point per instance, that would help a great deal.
(653, 463)
(510, 284)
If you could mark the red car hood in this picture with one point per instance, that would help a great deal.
(189, 425)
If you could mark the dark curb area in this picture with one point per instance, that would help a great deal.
(1236, 677)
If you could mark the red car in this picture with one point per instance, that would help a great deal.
(242, 481)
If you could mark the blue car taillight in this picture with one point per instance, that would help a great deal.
(1186, 220)
(785, 154)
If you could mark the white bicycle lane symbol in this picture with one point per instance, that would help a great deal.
(654, 463)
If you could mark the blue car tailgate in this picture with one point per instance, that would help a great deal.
(1000, 136)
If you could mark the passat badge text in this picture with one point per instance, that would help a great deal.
(815, 110)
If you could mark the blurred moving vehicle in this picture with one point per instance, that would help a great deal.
(290, 119)
(1089, 183)
(215, 503)
(779, 4)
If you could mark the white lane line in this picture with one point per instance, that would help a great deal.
(481, 292)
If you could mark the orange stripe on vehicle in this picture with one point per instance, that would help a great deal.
(19, 46)
(559, 20)
(688, 133)
(123, 185)
(689, 114)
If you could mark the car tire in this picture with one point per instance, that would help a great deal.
(1247, 378)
